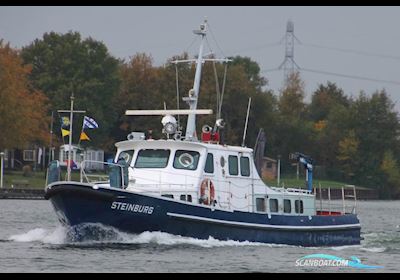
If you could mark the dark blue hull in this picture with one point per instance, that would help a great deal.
(135, 213)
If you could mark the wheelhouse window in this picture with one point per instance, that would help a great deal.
(244, 166)
(260, 205)
(287, 206)
(152, 158)
(273, 205)
(127, 156)
(187, 160)
(209, 168)
(299, 207)
(233, 165)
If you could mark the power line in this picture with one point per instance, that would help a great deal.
(353, 51)
(270, 70)
(349, 76)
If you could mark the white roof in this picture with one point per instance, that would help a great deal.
(151, 143)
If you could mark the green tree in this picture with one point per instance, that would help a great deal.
(347, 154)
(324, 99)
(293, 131)
(66, 63)
(391, 169)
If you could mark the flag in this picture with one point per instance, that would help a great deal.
(84, 136)
(71, 163)
(64, 122)
(89, 123)
(64, 132)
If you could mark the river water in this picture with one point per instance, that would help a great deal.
(31, 240)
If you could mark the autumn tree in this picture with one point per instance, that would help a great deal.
(22, 108)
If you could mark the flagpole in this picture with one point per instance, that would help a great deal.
(70, 138)
(83, 127)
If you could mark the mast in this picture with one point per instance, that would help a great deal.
(71, 119)
(70, 138)
(194, 93)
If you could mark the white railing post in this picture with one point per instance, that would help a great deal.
(344, 206)
(329, 200)
(82, 164)
(355, 199)
(320, 197)
(2, 168)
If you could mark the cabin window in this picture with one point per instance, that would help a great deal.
(260, 205)
(168, 195)
(187, 198)
(126, 155)
(187, 160)
(273, 205)
(233, 165)
(298, 206)
(287, 206)
(209, 168)
(245, 166)
(152, 158)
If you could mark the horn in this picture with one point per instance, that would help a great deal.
(206, 128)
(220, 123)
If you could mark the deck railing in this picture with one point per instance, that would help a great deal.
(346, 200)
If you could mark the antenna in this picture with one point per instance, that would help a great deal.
(247, 120)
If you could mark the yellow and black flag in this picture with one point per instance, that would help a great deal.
(65, 131)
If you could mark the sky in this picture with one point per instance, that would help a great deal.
(361, 42)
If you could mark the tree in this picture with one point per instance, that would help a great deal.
(348, 152)
(293, 131)
(22, 108)
(138, 91)
(324, 99)
(391, 169)
(65, 63)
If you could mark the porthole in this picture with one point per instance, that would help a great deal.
(186, 159)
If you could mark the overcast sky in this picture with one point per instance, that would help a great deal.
(354, 41)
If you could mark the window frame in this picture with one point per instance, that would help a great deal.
(285, 204)
(186, 152)
(31, 156)
(212, 163)
(248, 165)
(237, 165)
(138, 156)
(299, 209)
(265, 204)
(270, 205)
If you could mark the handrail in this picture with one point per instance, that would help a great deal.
(343, 198)
(86, 176)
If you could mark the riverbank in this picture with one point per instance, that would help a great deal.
(22, 193)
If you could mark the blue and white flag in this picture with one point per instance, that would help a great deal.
(89, 123)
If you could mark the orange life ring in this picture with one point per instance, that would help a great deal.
(207, 192)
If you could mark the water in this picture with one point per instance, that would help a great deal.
(31, 240)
